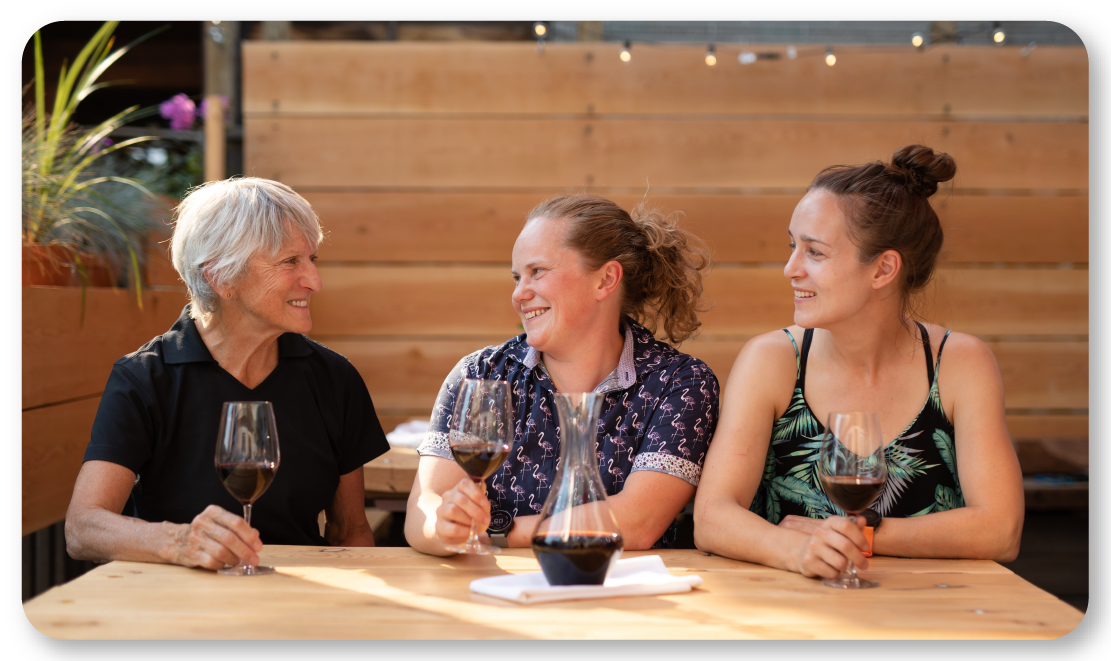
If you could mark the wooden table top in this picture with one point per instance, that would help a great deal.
(398, 593)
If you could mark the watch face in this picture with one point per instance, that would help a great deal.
(500, 521)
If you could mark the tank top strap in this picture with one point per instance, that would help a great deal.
(807, 338)
(929, 354)
(796, 346)
(937, 365)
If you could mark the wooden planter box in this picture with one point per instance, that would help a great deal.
(65, 367)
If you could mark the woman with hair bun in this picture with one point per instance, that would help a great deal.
(594, 284)
(864, 244)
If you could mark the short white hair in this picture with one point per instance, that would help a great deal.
(220, 225)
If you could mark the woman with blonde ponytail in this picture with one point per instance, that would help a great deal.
(594, 286)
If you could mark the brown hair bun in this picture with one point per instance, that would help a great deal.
(924, 167)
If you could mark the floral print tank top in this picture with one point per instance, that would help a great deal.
(921, 461)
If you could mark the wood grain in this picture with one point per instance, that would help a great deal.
(512, 153)
(476, 301)
(54, 442)
(482, 226)
(398, 593)
(414, 77)
(392, 473)
(63, 358)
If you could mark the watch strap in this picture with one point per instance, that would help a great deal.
(869, 533)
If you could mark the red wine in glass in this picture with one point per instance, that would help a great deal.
(479, 461)
(247, 458)
(853, 468)
(246, 481)
(480, 434)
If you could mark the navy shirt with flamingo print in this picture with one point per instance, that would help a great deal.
(659, 414)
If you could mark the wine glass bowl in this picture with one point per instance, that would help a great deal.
(853, 469)
(480, 434)
(247, 458)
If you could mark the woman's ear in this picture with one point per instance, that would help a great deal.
(611, 273)
(886, 267)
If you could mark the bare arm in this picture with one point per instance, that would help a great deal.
(990, 524)
(758, 390)
(95, 529)
(346, 515)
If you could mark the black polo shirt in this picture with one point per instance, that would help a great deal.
(160, 415)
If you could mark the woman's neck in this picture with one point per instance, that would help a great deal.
(248, 353)
(582, 367)
(867, 343)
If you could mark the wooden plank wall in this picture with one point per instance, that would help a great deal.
(422, 160)
(65, 366)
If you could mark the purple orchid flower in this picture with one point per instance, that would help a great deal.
(180, 110)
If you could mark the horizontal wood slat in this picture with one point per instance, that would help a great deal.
(475, 301)
(54, 442)
(409, 77)
(63, 359)
(508, 153)
(407, 374)
(481, 227)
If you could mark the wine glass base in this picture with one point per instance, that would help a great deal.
(473, 549)
(849, 583)
(245, 570)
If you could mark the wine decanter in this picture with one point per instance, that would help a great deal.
(578, 538)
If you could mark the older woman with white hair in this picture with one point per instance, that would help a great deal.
(148, 489)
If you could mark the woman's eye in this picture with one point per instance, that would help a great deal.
(791, 246)
(814, 253)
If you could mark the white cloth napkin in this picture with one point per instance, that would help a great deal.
(632, 576)
(408, 434)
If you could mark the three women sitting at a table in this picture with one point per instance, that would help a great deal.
(148, 490)
(593, 285)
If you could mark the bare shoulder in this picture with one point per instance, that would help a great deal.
(765, 370)
(967, 369)
(774, 350)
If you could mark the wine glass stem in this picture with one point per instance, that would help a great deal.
(473, 539)
(247, 518)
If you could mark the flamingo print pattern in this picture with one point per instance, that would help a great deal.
(659, 414)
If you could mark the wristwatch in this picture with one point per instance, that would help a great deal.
(872, 523)
(501, 522)
(872, 518)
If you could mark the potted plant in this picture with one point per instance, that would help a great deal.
(82, 221)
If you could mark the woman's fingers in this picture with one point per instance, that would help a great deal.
(235, 524)
(471, 499)
(841, 538)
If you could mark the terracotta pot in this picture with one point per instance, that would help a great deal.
(50, 266)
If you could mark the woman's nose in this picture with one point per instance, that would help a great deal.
(311, 278)
(793, 268)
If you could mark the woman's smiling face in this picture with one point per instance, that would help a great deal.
(829, 281)
(275, 290)
(555, 295)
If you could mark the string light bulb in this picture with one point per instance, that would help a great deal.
(625, 55)
(540, 29)
(831, 59)
(746, 57)
(711, 58)
(998, 35)
(792, 52)
(917, 40)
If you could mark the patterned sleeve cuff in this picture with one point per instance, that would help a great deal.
(435, 443)
(667, 463)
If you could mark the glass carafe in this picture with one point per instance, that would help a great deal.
(577, 540)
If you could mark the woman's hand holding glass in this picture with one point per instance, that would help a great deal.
(463, 504)
(832, 544)
(216, 538)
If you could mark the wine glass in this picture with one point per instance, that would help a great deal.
(853, 470)
(247, 458)
(481, 435)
